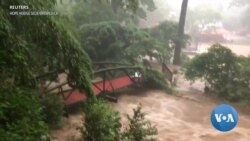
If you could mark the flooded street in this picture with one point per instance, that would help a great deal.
(182, 118)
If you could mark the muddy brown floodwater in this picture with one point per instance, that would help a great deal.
(182, 118)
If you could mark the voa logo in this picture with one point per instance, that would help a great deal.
(224, 117)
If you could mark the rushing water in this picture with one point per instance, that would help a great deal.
(182, 118)
(178, 118)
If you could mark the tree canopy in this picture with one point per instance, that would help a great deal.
(226, 73)
(126, 11)
(28, 44)
(114, 41)
(43, 40)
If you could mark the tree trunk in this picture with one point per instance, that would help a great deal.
(179, 44)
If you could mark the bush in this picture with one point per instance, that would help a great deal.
(20, 115)
(227, 74)
(53, 110)
(240, 88)
(101, 122)
(218, 66)
(139, 128)
(154, 80)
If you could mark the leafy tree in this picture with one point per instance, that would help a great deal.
(139, 129)
(53, 110)
(45, 40)
(102, 41)
(242, 92)
(226, 73)
(166, 33)
(127, 11)
(20, 114)
(27, 45)
(218, 66)
(245, 69)
(152, 79)
(113, 41)
(14, 58)
(119, 13)
(101, 123)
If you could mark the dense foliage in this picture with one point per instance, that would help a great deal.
(113, 41)
(166, 33)
(45, 43)
(14, 56)
(139, 128)
(101, 123)
(227, 74)
(20, 114)
(117, 34)
(53, 110)
(27, 45)
(152, 79)
(218, 66)
(126, 11)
